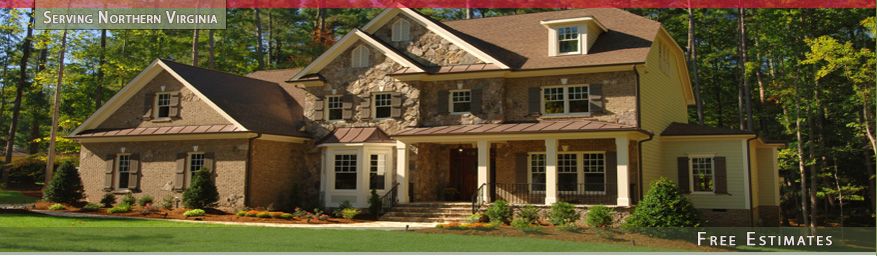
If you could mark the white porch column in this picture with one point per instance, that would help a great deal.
(483, 162)
(550, 171)
(622, 161)
(402, 171)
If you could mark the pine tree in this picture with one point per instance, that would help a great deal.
(664, 206)
(66, 186)
(202, 192)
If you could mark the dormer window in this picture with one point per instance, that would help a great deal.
(359, 58)
(401, 30)
(572, 36)
(568, 40)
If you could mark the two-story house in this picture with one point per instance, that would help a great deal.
(584, 106)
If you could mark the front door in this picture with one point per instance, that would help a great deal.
(464, 172)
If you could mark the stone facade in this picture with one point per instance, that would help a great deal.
(427, 48)
(491, 107)
(193, 110)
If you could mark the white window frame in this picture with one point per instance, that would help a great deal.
(451, 102)
(401, 30)
(374, 106)
(580, 172)
(530, 172)
(189, 171)
(578, 40)
(691, 157)
(119, 172)
(566, 100)
(359, 58)
(329, 108)
(158, 106)
(356, 165)
(388, 171)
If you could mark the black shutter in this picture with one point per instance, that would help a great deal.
(147, 106)
(180, 178)
(174, 109)
(442, 106)
(475, 104)
(521, 172)
(721, 175)
(535, 94)
(347, 107)
(682, 166)
(396, 105)
(365, 108)
(134, 172)
(612, 174)
(108, 173)
(595, 93)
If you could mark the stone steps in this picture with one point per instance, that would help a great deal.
(429, 212)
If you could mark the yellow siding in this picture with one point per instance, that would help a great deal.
(734, 152)
(755, 171)
(661, 102)
(768, 177)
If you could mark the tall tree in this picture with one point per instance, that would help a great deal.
(19, 91)
(692, 48)
(743, 76)
(99, 89)
(195, 47)
(260, 56)
(57, 102)
(212, 53)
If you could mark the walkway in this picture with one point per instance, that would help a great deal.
(378, 225)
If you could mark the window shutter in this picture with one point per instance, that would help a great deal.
(682, 165)
(318, 108)
(595, 93)
(174, 109)
(147, 106)
(396, 105)
(180, 178)
(365, 108)
(721, 175)
(108, 174)
(443, 102)
(476, 101)
(347, 107)
(134, 172)
(521, 170)
(534, 100)
(209, 161)
(612, 174)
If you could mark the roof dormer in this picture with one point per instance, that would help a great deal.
(572, 36)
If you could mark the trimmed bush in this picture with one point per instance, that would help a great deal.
(123, 207)
(57, 207)
(499, 211)
(563, 213)
(202, 191)
(263, 215)
(275, 215)
(474, 218)
(526, 227)
(147, 199)
(251, 213)
(374, 203)
(241, 213)
(108, 200)
(66, 185)
(599, 216)
(286, 216)
(529, 214)
(664, 206)
(339, 212)
(195, 212)
(129, 199)
(91, 207)
(167, 202)
(350, 213)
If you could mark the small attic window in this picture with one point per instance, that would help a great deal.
(359, 58)
(401, 30)
(568, 40)
(572, 36)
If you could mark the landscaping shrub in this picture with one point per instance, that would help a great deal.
(251, 213)
(350, 213)
(202, 191)
(241, 213)
(663, 206)
(57, 207)
(299, 212)
(529, 213)
(167, 202)
(562, 213)
(148, 208)
(27, 171)
(526, 227)
(91, 207)
(147, 199)
(338, 212)
(275, 215)
(263, 215)
(286, 216)
(374, 203)
(129, 199)
(599, 216)
(569, 227)
(474, 218)
(195, 212)
(66, 186)
(108, 200)
(499, 211)
(123, 207)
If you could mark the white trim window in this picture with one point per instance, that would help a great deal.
(576, 172)
(377, 171)
(123, 169)
(565, 100)
(162, 105)
(194, 163)
(401, 30)
(382, 105)
(594, 168)
(461, 101)
(702, 174)
(334, 108)
(567, 172)
(568, 40)
(536, 177)
(345, 171)
(359, 57)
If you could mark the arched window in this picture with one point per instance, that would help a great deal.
(401, 30)
(359, 57)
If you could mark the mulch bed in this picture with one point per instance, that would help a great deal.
(584, 235)
(212, 215)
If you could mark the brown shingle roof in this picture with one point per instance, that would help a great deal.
(521, 42)
(680, 129)
(540, 127)
(277, 75)
(357, 135)
(194, 129)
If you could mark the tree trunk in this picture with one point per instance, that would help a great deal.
(210, 57)
(813, 200)
(692, 47)
(19, 91)
(800, 152)
(36, 116)
(746, 91)
(270, 38)
(51, 158)
(259, 55)
(99, 91)
(195, 47)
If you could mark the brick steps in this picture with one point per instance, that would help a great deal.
(429, 212)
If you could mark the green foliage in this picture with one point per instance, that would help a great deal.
(108, 199)
(167, 202)
(286, 216)
(474, 218)
(529, 213)
(123, 207)
(562, 213)
(663, 206)
(129, 199)
(263, 215)
(350, 213)
(146, 199)
(57, 207)
(241, 213)
(526, 227)
(194, 212)
(90, 207)
(338, 212)
(374, 203)
(66, 186)
(599, 216)
(202, 191)
(499, 211)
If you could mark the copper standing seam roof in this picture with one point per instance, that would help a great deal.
(449, 69)
(357, 135)
(540, 127)
(167, 130)
(680, 129)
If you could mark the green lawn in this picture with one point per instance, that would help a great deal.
(21, 233)
(15, 197)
